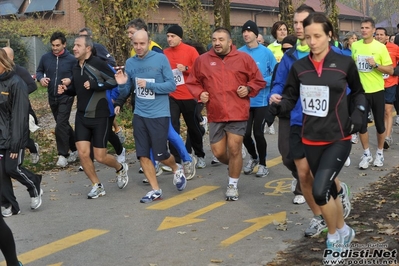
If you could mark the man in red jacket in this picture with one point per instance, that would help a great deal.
(181, 59)
(224, 79)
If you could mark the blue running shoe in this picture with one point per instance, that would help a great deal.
(151, 196)
(348, 239)
(179, 180)
(335, 247)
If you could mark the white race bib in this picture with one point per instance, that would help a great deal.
(315, 99)
(144, 93)
(178, 76)
(362, 64)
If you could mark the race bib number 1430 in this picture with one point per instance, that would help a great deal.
(314, 100)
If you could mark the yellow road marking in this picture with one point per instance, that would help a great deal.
(56, 264)
(274, 161)
(172, 222)
(58, 245)
(279, 186)
(186, 196)
(260, 222)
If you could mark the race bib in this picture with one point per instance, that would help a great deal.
(315, 99)
(178, 76)
(385, 76)
(362, 64)
(144, 93)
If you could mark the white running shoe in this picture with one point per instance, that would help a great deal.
(122, 177)
(34, 157)
(347, 162)
(189, 168)
(72, 157)
(272, 131)
(365, 161)
(379, 160)
(121, 158)
(62, 161)
(36, 202)
(299, 199)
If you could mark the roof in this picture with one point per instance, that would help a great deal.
(392, 23)
(273, 4)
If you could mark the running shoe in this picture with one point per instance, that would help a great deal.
(243, 152)
(166, 168)
(316, 226)
(336, 247)
(215, 160)
(349, 238)
(345, 199)
(272, 131)
(189, 168)
(36, 202)
(355, 138)
(379, 160)
(387, 142)
(231, 193)
(120, 135)
(299, 199)
(121, 158)
(204, 123)
(179, 180)
(294, 182)
(151, 196)
(348, 162)
(158, 169)
(80, 168)
(96, 191)
(7, 212)
(34, 157)
(397, 120)
(141, 170)
(201, 164)
(72, 157)
(263, 171)
(248, 169)
(365, 161)
(122, 177)
(62, 161)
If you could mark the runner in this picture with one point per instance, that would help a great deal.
(319, 83)
(218, 81)
(372, 60)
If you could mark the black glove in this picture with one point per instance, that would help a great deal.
(269, 117)
(396, 71)
(356, 121)
(274, 109)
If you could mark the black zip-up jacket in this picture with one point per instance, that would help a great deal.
(92, 103)
(55, 68)
(14, 107)
(337, 72)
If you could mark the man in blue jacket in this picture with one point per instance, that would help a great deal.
(55, 68)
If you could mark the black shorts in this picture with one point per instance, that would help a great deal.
(376, 103)
(94, 130)
(297, 150)
(151, 133)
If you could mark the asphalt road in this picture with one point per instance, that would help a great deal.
(193, 227)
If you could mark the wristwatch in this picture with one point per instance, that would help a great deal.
(376, 65)
(361, 108)
(186, 68)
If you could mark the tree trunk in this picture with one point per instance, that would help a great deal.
(222, 13)
(286, 14)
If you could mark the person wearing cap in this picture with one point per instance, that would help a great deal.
(265, 61)
(292, 126)
(224, 79)
(181, 57)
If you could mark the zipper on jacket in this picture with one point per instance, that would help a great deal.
(56, 77)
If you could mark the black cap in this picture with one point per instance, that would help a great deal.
(251, 26)
(175, 29)
(291, 39)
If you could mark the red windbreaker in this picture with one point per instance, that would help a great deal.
(221, 79)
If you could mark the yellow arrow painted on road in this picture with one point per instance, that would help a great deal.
(259, 223)
(58, 245)
(172, 222)
(186, 196)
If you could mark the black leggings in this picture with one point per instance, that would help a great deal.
(7, 244)
(325, 163)
(256, 124)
